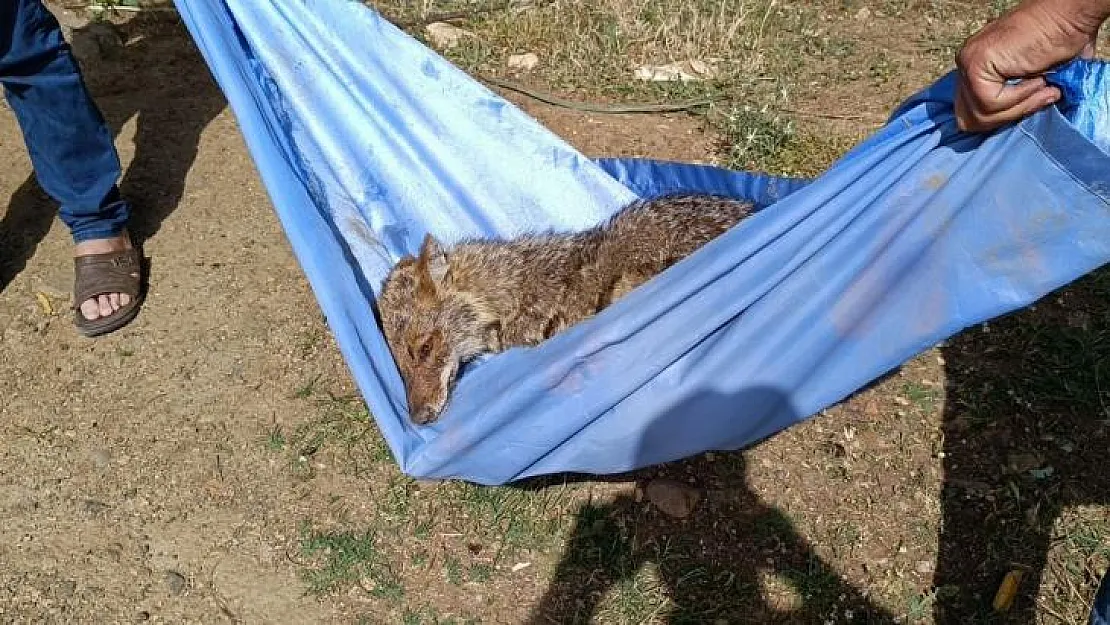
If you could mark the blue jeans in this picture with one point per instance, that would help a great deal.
(1100, 611)
(70, 146)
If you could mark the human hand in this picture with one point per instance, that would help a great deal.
(1023, 44)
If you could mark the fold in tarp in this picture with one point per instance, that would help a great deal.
(366, 140)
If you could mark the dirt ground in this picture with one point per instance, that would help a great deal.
(212, 462)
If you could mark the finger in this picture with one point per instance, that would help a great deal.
(1091, 48)
(979, 121)
(993, 97)
(965, 118)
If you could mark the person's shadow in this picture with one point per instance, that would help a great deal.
(1026, 433)
(714, 564)
(159, 79)
(1026, 438)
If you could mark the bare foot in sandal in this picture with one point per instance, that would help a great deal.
(105, 304)
(106, 290)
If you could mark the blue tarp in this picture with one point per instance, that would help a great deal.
(366, 140)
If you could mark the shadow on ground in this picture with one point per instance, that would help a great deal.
(159, 80)
(713, 565)
(1026, 439)
(1026, 432)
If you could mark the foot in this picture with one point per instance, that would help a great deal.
(107, 304)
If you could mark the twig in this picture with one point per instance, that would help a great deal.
(458, 15)
(650, 108)
(866, 118)
(102, 8)
(543, 96)
(1041, 606)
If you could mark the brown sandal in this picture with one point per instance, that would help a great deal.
(113, 272)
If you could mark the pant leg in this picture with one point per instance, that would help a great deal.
(69, 143)
(1100, 611)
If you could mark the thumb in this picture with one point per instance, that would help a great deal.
(1089, 50)
(1039, 100)
(979, 121)
(995, 97)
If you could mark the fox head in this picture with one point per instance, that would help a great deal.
(432, 328)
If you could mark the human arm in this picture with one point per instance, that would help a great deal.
(1032, 38)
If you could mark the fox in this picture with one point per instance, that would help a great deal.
(442, 308)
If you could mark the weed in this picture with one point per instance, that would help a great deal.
(511, 517)
(342, 421)
(920, 607)
(754, 136)
(637, 598)
(452, 568)
(480, 572)
(818, 585)
(275, 440)
(921, 397)
(770, 527)
(348, 558)
(308, 389)
(429, 615)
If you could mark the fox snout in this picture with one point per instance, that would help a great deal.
(422, 415)
(422, 411)
(427, 395)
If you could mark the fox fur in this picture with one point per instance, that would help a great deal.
(442, 308)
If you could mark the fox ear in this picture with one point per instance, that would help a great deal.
(433, 259)
(431, 267)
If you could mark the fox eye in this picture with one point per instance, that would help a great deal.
(425, 350)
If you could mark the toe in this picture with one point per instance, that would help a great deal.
(90, 309)
(113, 299)
(105, 306)
(124, 299)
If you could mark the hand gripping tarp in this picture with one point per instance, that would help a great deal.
(366, 140)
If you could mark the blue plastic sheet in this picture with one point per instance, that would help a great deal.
(366, 140)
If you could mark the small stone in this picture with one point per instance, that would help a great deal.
(863, 14)
(95, 508)
(444, 36)
(524, 62)
(66, 589)
(176, 582)
(101, 458)
(66, 17)
(1079, 319)
(1022, 462)
(924, 567)
(673, 498)
(700, 67)
(693, 69)
(98, 40)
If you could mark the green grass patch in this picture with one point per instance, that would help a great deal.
(348, 558)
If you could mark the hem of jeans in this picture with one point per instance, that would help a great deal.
(98, 233)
